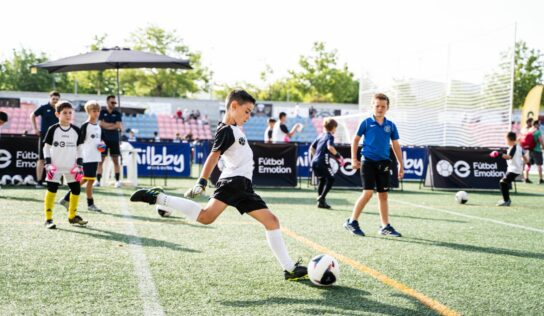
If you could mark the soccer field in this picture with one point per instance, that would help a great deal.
(474, 259)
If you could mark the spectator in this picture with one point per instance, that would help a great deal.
(280, 132)
(189, 138)
(177, 139)
(535, 153)
(205, 119)
(268, 131)
(47, 112)
(132, 136)
(156, 137)
(111, 124)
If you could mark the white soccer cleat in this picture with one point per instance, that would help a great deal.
(117, 184)
(96, 184)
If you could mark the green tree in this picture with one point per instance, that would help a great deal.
(528, 71)
(165, 82)
(319, 79)
(17, 74)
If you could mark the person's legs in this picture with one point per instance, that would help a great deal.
(274, 237)
(49, 200)
(360, 204)
(75, 190)
(329, 181)
(116, 166)
(383, 205)
(320, 187)
(40, 170)
(99, 169)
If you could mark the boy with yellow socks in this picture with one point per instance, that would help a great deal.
(63, 157)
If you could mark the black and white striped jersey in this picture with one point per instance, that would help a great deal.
(63, 146)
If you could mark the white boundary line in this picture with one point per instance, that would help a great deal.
(148, 290)
(538, 230)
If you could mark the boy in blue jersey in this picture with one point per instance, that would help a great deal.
(323, 167)
(379, 134)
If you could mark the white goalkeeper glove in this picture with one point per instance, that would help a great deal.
(197, 189)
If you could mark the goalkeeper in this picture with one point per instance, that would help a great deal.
(62, 151)
(322, 150)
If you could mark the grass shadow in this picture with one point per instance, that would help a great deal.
(421, 218)
(468, 248)
(127, 239)
(162, 220)
(17, 198)
(338, 300)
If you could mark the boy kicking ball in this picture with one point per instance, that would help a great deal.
(514, 160)
(234, 186)
(62, 152)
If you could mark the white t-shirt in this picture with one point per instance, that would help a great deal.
(235, 152)
(515, 165)
(280, 133)
(92, 136)
(63, 147)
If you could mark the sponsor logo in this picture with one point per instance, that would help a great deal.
(5, 158)
(55, 144)
(412, 165)
(158, 158)
(273, 166)
(463, 169)
(444, 168)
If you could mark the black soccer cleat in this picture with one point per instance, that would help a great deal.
(49, 224)
(77, 220)
(146, 195)
(323, 204)
(299, 272)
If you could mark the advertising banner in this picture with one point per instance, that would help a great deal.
(464, 168)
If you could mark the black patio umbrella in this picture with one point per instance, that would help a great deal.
(113, 58)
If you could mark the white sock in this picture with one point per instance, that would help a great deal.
(190, 209)
(276, 243)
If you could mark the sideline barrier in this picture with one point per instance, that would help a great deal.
(464, 168)
(18, 158)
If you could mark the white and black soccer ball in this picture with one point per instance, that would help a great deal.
(323, 270)
(461, 197)
(444, 168)
(163, 212)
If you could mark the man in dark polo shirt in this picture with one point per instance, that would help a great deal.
(47, 113)
(110, 122)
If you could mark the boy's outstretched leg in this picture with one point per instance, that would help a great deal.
(292, 271)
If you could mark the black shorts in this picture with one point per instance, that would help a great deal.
(113, 147)
(375, 175)
(238, 192)
(40, 147)
(322, 169)
(509, 177)
(535, 158)
(89, 170)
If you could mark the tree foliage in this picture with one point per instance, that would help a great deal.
(528, 71)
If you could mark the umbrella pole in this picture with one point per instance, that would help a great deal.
(118, 90)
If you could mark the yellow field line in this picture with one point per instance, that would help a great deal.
(425, 300)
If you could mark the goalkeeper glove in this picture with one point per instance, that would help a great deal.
(197, 189)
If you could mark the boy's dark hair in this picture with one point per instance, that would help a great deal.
(529, 122)
(271, 120)
(282, 115)
(63, 105)
(511, 136)
(54, 93)
(329, 124)
(536, 123)
(111, 96)
(240, 96)
(381, 96)
(3, 116)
